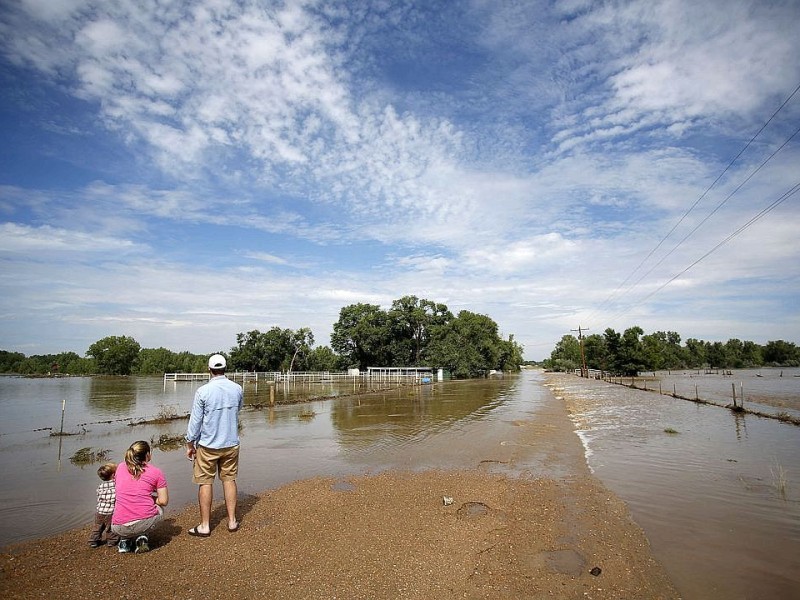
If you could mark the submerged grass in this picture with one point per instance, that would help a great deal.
(166, 442)
(88, 456)
(779, 479)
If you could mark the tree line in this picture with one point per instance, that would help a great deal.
(413, 332)
(632, 351)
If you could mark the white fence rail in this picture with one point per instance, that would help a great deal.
(404, 375)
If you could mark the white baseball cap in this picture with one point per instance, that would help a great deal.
(217, 361)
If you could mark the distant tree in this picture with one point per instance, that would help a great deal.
(716, 355)
(115, 355)
(322, 358)
(411, 321)
(363, 336)
(780, 352)
(594, 348)
(156, 360)
(696, 353)
(510, 358)
(269, 351)
(751, 354)
(613, 344)
(302, 340)
(467, 346)
(566, 356)
(654, 351)
(10, 361)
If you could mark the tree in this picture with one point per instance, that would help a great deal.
(322, 358)
(115, 355)
(156, 360)
(566, 356)
(696, 351)
(467, 346)
(510, 355)
(751, 354)
(716, 356)
(654, 348)
(362, 336)
(733, 351)
(302, 340)
(411, 322)
(625, 352)
(594, 348)
(780, 352)
(274, 350)
(613, 343)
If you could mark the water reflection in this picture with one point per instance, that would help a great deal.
(112, 396)
(409, 413)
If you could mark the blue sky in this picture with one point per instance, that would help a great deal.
(181, 172)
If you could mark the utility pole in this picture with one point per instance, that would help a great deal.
(584, 370)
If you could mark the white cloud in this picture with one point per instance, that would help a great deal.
(57, 245)
(522, 169)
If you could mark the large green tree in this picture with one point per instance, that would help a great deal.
(115, 355)
(468, 346)
(781, 352)
(363, 336)
(412, 321)
(566, 356)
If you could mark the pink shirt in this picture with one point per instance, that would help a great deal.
(135, 499)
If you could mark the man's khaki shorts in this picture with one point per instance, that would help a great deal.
(208, 462)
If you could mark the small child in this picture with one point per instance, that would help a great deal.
(106, 497)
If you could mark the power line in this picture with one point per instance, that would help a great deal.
(692, 207)
(785, 196)
(720, 205)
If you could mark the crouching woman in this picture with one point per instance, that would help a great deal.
(141, 497)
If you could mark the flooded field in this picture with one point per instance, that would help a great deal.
(717, 493)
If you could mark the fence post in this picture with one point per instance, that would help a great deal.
(733, 388)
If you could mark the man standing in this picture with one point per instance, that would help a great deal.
(212, 442)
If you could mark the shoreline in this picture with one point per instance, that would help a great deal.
(509, 533)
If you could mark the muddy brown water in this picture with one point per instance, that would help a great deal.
(709, 497)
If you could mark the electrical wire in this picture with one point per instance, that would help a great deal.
(788, 194)
(692, 207)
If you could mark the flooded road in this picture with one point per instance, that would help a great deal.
(708, 495)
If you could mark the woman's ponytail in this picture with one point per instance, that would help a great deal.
(136, 458)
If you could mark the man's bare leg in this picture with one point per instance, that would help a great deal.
(205, 495)
(230, 490)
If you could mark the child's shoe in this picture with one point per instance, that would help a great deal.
(142, 544)
(94, 544)
(124, 546)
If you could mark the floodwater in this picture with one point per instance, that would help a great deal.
(719, 499)
(769, 390)
(717, 492)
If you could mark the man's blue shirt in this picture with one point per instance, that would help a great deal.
(214, 421)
